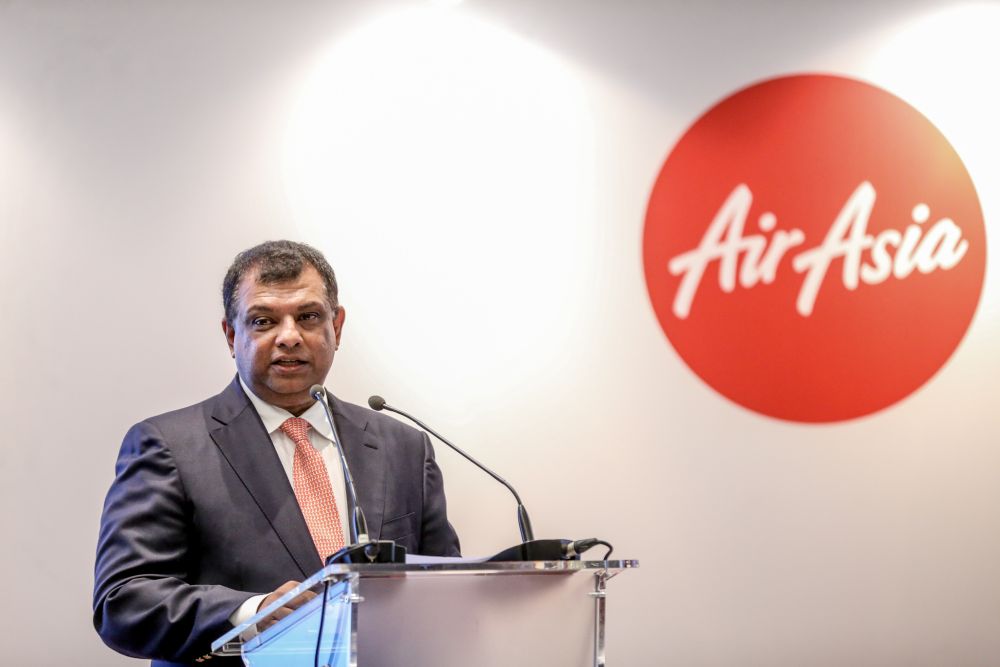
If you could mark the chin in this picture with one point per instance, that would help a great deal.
(289, 389)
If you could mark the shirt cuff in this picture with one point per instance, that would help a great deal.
(247, 610)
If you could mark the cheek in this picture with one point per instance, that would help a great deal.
(323, 346)
(250, 350)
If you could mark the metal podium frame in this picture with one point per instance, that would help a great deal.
(343, 584)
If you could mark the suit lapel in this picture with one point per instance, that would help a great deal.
(365, 455)
(241, 437)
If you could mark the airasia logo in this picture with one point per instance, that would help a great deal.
(814, 248)
(757, 257)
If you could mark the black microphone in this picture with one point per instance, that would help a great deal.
(529, 549)
(359, 527)
(362, 547)
(523, 522)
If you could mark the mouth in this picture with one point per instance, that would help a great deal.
(289, 364)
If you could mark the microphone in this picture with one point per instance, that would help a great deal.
(381, 551)
(378, 404)
(359, 527)
(529, 549)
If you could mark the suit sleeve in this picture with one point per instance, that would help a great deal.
(437, 536)
(144, 605)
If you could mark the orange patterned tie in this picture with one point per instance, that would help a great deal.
(312, 487)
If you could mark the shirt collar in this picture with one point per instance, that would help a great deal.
(273, 416)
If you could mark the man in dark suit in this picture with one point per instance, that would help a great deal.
(215, 511)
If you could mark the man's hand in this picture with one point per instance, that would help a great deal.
(285, 609)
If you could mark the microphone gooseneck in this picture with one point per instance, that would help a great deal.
(523, 522)
(358, 527)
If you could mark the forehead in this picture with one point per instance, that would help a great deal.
(307, 288)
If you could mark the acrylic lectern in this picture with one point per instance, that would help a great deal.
(443, 614)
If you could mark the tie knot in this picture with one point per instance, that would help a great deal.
(297, 429)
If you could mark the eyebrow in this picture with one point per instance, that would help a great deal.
(312, 305)
(266, 309)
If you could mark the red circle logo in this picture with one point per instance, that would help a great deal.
(814, 248)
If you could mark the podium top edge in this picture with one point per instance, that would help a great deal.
(458, 567)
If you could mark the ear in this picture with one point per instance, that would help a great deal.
(230, 333)
(338, 323)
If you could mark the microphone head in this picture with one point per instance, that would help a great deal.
(376, 402)
(317, 392)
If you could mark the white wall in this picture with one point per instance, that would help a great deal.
(481, 192)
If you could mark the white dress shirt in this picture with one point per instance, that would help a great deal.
(321, 438)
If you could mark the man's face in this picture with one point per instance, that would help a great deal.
(283, 337)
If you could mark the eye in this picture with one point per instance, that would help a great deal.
(260, 322)
(309, 317)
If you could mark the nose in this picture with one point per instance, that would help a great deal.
(288, 334)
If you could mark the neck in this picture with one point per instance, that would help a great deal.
(293, 404)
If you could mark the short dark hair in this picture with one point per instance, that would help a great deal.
(276, 262)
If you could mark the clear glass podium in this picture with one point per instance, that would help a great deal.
(438, 613)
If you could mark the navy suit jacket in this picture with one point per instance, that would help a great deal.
(201, 516)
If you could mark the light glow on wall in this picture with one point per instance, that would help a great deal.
(445, 167)
(944, 63)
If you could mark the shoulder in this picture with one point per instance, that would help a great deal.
(384, 427)
(191, 424)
